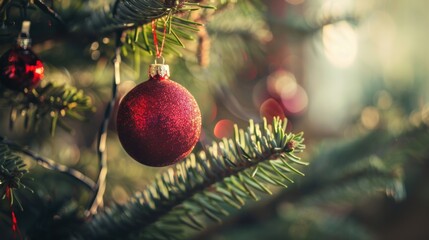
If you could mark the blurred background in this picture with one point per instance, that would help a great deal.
(352, 75)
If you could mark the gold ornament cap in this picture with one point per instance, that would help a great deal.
(24, 39)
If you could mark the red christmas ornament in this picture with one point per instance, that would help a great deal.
(159, 121)
(20, 68)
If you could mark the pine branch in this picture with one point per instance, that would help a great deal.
(231, 40)
(54, 101)
(372, 164)
(12, 169)
(227, 173)
(177, 30)
(345, 173)
(126, 14)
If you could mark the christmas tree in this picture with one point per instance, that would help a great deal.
(161, 119)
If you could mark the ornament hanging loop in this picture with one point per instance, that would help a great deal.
(159, 71)
(158, 50)
(160, 57)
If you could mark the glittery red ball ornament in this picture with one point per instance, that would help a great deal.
(158, 121)
(20, 69)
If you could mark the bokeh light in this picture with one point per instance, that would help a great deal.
(125, 87)
(281, 83)
(106, 40)
(384, 100)
(271, 108)
(340, 43)
(370, 117)
(224, 129)
(119, 194)
(295, 102)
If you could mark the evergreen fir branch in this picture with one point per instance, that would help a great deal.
(204, 185)
(345, 194)
(377, 170)
(53, 101)
(12, 170)
(177, 30)
(126, 14)
(248, 20)
(348, 172)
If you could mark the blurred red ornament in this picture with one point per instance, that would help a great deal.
(224, 129)
(270, 109)
(159, 121)
(20, 69)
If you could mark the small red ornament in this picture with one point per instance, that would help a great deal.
(20, 68)
(159, 121)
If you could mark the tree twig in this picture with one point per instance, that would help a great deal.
(97, 200)
(51, 164)
(49, 11)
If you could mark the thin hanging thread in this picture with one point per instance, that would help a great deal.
(155, 38)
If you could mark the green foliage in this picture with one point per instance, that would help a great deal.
(345, 178)
(176, 26)
(177, 29)
(131, 14)
(364, 167)
(207, 184)
(50, 101)
(12, 169)
(230, 45)
(215, 182)
(299, 223)
(315, 223)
